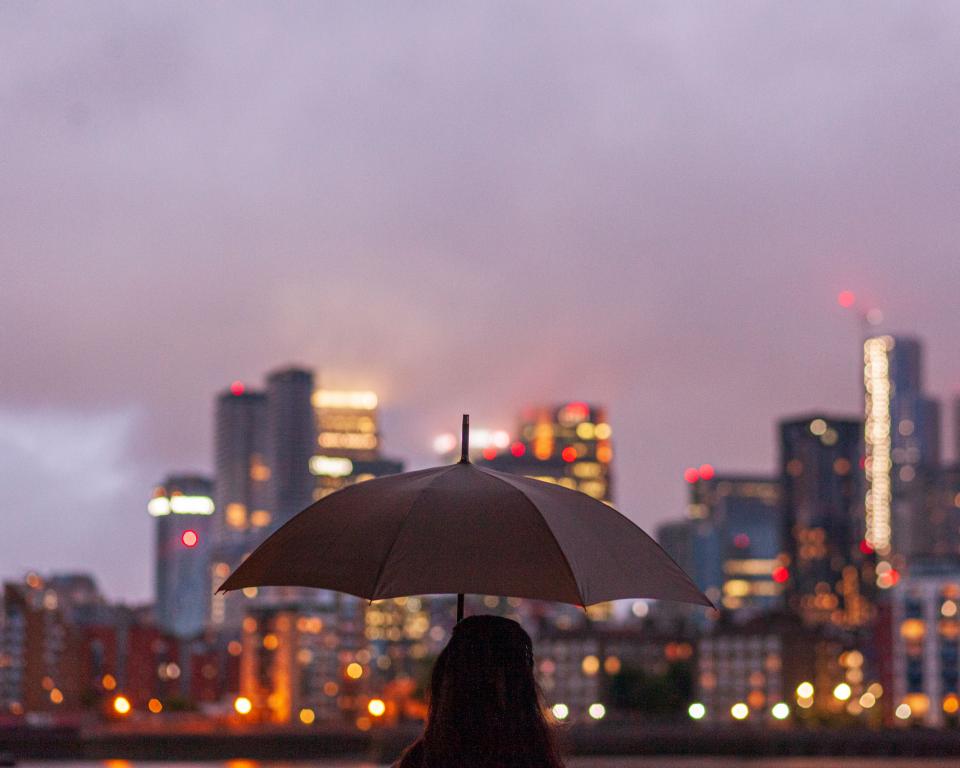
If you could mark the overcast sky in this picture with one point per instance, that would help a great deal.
(465, 206)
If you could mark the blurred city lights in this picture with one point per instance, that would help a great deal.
(189, 538)
(597, 711)
(740, 711)
(590, 665)
(691, 475)
(242, 705)
(842, 692)
(560, 711)
(951, 703)
(846, 299)
(780, 710)
(805, 690)
(109, 682)
(121, 705)
(867, 700)
(903, 711)
(307, 716)
(354, 671)
(155, 706)
(376, 707)
(237, 388)
(697, 711)
(706, 472)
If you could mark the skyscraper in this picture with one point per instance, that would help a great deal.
(902, 432)
(183, 508)
(823, 533)
(290, 443)
(242, 473)
(348, 441)
(241, 492)
(737, 540)
(567, 444)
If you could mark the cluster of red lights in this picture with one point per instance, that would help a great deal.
(568, 454)
(705, 472)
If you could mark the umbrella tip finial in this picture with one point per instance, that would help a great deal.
(465, 440)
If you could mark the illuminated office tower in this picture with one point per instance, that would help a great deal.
(822, 501)
(902, 435)
(242, 473)
(348, 441)
(241, 492)
(291, 437)
(183, 508)
(568, 445)
(737, 540)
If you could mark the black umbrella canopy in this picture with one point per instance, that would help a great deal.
(465, 529)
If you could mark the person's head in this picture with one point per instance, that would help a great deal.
(484, 706)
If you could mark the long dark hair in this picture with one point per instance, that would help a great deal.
(485, 708)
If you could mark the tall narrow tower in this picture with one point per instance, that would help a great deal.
(291, 441)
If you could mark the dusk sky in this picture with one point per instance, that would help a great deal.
(466, 207)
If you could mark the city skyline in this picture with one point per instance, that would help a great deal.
(654, 210)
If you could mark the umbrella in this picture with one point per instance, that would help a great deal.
(462, 529)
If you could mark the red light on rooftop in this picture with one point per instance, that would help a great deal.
(569, 454)
(706, 472)
(189, 538)
(865, 547)
(846, 299)
(691, 475)
(237, 388)
(518, 449)
(780, 574)
(489, 453)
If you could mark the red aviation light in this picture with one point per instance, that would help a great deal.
(518, 449)
(706, 472)
(691, 475)
(189, 538)
(780, 574)
(846, 299)
(237, 388)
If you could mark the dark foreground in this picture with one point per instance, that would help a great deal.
(382, 746)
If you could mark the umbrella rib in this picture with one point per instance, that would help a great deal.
(413, 503)
(536, 511)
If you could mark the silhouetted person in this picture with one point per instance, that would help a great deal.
(484, 707)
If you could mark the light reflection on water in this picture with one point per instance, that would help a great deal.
(580, 762)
